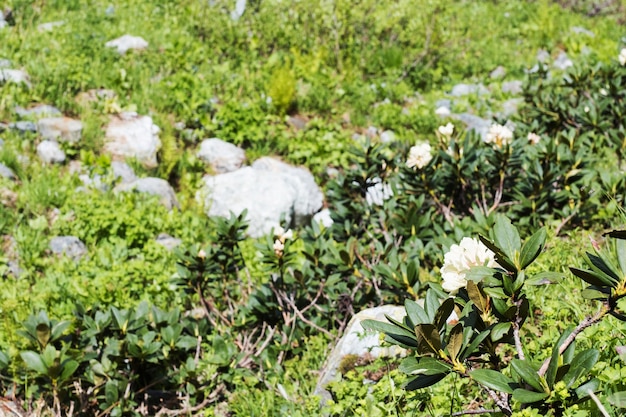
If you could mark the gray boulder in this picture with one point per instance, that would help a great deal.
(14, 76)
(123, 171)
(7, 172)
(154, 186)
(61, 129)
(70, 246)
(269, 190)
(357, 341)
(129, 135)
(475, 123)
(222, 156)
(498, 73)
(127, 42)
(462, 89)
(167, 241)
(38, 111)
(512, 87)
(23, 126)
(50, 152)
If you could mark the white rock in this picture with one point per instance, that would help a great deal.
(14, 76)
(126, 42)
(323, 217)
(123, 171)
(154, 186)
(222, 156)
(131, 136)
(61, 129)
(38, 111)
(269, 190)
(387, 136)
(50, 152)
(47, 27)
(70, 246)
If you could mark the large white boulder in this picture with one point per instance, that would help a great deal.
(221, 156)
(129, 135)
(270, 190)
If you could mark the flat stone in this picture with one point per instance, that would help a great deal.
(510, 107)
(127, 42)
(153, 186)
(514, 87)
(50, 152)
(23, 126)
(14, 76)
(462, 89)
(70, 246)
(49, 26)
(61, 129)
(94, 95)
(167, 241)
(475, 123)
(498, 73)
(7, 172)
(38, 111)
(5, 63)
(123, 171)
(582, 31)
(129, 135)
(221, 156)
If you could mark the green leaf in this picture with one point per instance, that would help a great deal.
(443, 312)
(527, 373)
(34, 361)
(479, 273)
(415, 312)
(399, 334)
(423, 366)
(499, 331)
(493, 379)
(506, 237)
(554, 365)
(532, 248)
(456, 341)
(43, 334)
(544, 278)
(428, 338)
(478, 296)
(4, 360)
(431, 304)
(111, 392)
(584, 390)
(591, 277)
(69, 367)
(600, 266)
(527, 397)
(495, 293)
(470, 349)
(423, 381)
(59, 328)
(591, 294)
(500, 256)
(618, 399)
(618, 234)
(581, 365)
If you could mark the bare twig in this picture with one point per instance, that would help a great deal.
(596, 400)
(588, 321)
(501, 402)
(472, 412)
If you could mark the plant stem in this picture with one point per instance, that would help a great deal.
(473, 412)
(596, 400)
(588, 321)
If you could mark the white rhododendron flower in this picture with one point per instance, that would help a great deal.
(458, 261)
(419, 156)
(622, 57)
(499, 135)
(446, 130)
(281, 236)
(534, 138)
